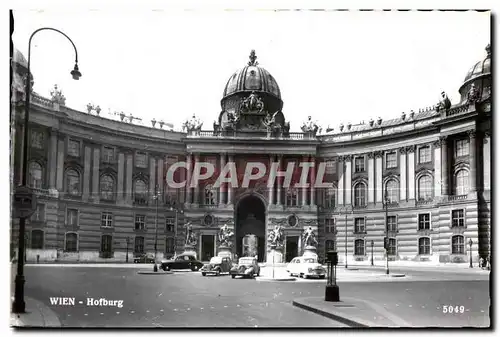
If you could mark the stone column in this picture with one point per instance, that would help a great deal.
(196, 199)
(340, 174)
(121, 177)
(60, 165)
(278, 181)
(371, 178)
(159, 177)
(86, 172)
(445, 190)
(410, 153)
(189, 172)
(487, 162)
(378, 176)
(472, 161)
(222, 192)
(402, 173)
(129, 190)
(348, 180)
(304, 188)
(95, 174)
(53, 158)
(230, 187)
(313, 181)
(271, 189)
(152, 179)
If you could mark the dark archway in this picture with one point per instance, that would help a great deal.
(250, 226)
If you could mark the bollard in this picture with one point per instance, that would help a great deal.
(37, 258)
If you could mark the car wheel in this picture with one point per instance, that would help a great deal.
(218, 273)
(301, 275)
(194, 268)
(203, 274)
(233, 276)
(166, 268)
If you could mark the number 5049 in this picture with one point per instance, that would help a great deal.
(449, 309)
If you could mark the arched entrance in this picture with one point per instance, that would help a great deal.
(250, 227)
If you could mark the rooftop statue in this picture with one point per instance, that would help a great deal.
(444, 103)
(194, 124)
(253, 59)
(252, 103)
(225, 236)
(473, 95)
(309, 238)
(57, 96)
(310, 126)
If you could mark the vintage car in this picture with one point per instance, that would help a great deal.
(183, 261)
(246, 267)
(305, 267)
(144, 258)
(216, 266)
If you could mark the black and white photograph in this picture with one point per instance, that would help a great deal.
(249, 168)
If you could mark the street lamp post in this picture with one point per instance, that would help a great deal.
(156, 197)
(19, 306)
(126, 257)
(345, 238)
(470, 253)
(386, 204)
(372, 251)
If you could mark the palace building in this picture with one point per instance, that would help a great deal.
(422, 179)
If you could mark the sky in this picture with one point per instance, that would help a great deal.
(172, 63)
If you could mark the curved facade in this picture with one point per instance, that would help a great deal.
(422, 180)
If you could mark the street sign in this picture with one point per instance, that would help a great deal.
(24, 202)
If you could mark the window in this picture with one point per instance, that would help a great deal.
(39, 214)
(106, 243)
(462, 182)
(37, 239)
(170, 195)
(461, 147)
(169, 245)
(331, 167)
(140, 160)
(359, 195)
(330, 225)
(139, 245)
(392, 191)
(392, 223)
(457, 218)
(37, 139)
(35, 175)
(108, 154)
(391, 160)
(424, 221)
(72, 217)
(140, 222)
(169, 225)
(330, 198)
(359, 225)
(210, 195)
(329, 245)
(425, 188)
(457, 244)
(359, 247)
(359, 164)
(107, 219)
(140, 192)
(291, 197)
(424, 246)
(71, 242)
(391, 249)
(424, 154)
(74, 148)
(107, 187)
(73, 182)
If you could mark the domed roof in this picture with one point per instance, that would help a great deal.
(480, 68)
(19, 58)
(252, 78)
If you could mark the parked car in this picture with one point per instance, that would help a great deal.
(216, 266)
(305, 267)
(247, 267)
(183, 261)
(144, 258)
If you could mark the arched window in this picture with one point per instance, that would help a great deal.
(392, 247)
(425, 188)
(360, 195)
(37, 239)
(359, 247)
(392, 190)
(457, 244)
(35, 175)
(71, 242)
(107, 187)
(330, 197)
(462, 182)
(424, 246)
(73, 182)
(291, 197)
(140, 192)
(139, 245)
(329, 245)
(210, 195)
